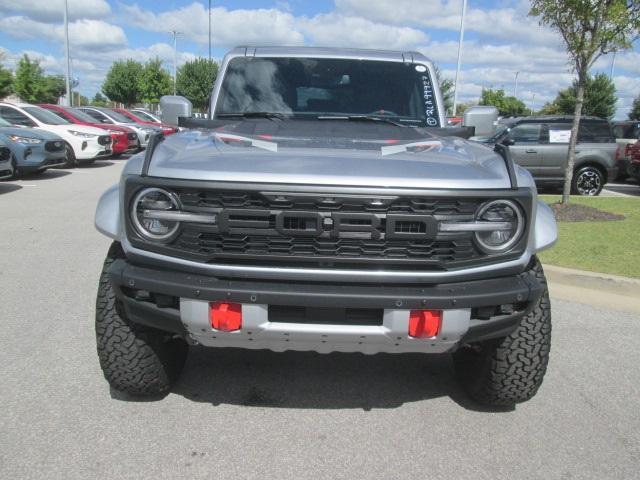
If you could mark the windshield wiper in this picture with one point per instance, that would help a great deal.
(360, 118)
(279, 116)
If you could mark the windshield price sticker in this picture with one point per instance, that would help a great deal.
(429, 101)
(559, 136)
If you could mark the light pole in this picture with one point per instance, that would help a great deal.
(455, 87)
(515, 88)
(175, 34)
(209, 30)
(66, 53)
(613, 65)
(533, 99)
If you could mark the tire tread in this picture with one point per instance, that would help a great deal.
(135, 359)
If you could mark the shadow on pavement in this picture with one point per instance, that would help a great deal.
(261, 378)
(8, 187)
(46, 175)
(96, 164)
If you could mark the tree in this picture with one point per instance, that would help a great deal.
(99, 100)
(122, 83)
(446, 88)
(33, 86)
(52, 88)
(634, 114)
(599, 98)
(154, 82)
(28, 83)
(507, 106)
(589, 29)
(195, 81)
(6, 82)
(550, 108)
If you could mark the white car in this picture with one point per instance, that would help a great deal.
(83, 144)
(109, 117)
(146, 115)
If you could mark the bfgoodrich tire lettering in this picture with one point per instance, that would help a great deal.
(510, 370)
(135, 359)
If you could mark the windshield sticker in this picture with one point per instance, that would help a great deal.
(415, 147)
(421, 68)
(559, 136)
(429, 101)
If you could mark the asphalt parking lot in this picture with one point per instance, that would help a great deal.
(628, 187)
(237, 414)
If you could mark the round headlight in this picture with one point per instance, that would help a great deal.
(509, 225)
(153, 227)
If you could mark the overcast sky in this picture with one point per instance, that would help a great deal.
(500, 38)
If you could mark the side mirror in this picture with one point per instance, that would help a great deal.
(173, 107)
(482, 117)
(507, 142)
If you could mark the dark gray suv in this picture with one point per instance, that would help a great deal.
(541, 144)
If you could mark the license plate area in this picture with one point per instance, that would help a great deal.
(325, 315)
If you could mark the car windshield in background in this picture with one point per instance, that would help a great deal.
(118, 117)
(318, 87)
(4, 123)
(82, 116)
(144, 116)
(501, 129)
(45, 116)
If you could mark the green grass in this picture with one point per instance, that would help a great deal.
(608, 247)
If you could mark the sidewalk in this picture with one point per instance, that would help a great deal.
(596, 289)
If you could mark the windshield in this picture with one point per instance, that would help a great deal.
(144, 116)
(45, 116)
(317, 87)
(82, 116)
(117, 116)
(501, 129)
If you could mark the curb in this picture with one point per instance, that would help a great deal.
(592, 280)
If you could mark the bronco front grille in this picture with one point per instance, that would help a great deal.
(280, 227)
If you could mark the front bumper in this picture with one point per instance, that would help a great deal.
(31, 158)
(89, 149)
(178, 302)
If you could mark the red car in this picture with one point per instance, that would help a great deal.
(633, 154)
(166, 129)
(124, 140)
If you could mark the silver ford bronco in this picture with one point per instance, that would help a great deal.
(324, 206)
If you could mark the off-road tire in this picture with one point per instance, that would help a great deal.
(135, 359)
(509, 370)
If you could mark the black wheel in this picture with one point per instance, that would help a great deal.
(510, 370)
(71, 161)
(587, 181)
(135, 359)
